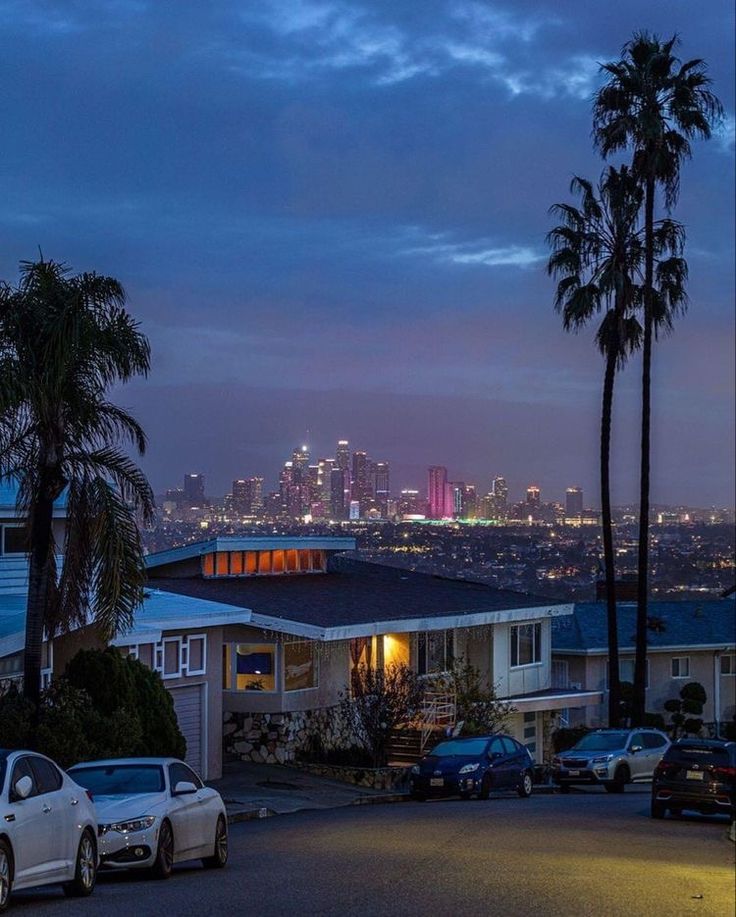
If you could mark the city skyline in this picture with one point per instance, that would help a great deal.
(333, 217)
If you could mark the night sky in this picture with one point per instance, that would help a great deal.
(330, 216)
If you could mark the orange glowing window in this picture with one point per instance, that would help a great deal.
(264, 561)
(208, 565)
(278, 562)
(222, 565)
(318, 560)
(236, 563)
(291, 561)
(251, 562)
(304, 564)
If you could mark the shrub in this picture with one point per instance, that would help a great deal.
(654, 721)
(380, 700)
(685, 711)
(104, 706)
(477, 705)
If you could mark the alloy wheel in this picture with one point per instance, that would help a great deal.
(221, 841)
(87, 865)
(4, 879)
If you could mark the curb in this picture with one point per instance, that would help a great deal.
(234, 818)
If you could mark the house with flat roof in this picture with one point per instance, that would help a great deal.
(687, 641)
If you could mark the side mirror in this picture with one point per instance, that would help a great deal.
(183, 787)
(635, 749)
(23, 787)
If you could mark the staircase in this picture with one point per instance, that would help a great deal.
(404, 746)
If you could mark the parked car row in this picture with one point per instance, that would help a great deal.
(690, 774)
(144, 813)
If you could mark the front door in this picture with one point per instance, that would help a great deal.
(501, 765)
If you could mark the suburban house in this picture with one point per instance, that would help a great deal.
(687, 641)
(256, 638)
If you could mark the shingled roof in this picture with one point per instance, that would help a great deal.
(356, 592)
(672, 624)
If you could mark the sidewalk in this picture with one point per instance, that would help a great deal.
(261, 790)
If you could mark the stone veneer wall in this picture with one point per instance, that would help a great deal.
(278, 738)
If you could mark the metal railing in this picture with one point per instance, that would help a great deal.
(438, 711)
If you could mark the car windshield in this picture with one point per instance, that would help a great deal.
(701, 753)
(465, 748)
(120, 779)
(601, 741)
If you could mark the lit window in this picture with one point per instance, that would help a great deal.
(291, 561)
(300, 666)
(255, 667)
(680, 666)
(236, 563)
(208, 565)
(278, 562)
(264, 561)
(222, 563)
(251, 562)
(304, 565)
(526, 644)
(318, 560)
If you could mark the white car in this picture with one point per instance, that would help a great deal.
(48, 827)
(154, 812)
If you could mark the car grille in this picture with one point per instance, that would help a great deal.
(575, 762)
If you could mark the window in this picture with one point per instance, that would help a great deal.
(728, 664)
(22, 768)
(253, 666)
(509, 745)
(180, 773)
(48, 778)
(14, 539)
(171, 665)
(196, 655)
(435, 651)
(626, 672)
(654, 740)
(496, 749)
(680, 666)
(300, 666)
(526, 644)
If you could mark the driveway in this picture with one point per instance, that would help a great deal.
(587, 853)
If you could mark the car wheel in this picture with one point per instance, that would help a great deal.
(658, 810)
(6, 875)
(485, 788)
(165, 852)
(524, 789)
(620, 779)
(85, 870)
(219, 857)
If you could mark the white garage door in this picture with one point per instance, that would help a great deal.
(189, 713)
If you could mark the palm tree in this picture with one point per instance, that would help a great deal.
(654, 105)
(597, 253)
(64, 340)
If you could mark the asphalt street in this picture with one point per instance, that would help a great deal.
(588, 853)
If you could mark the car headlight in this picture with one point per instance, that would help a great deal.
(130, 826)
(415, 769)
(469, 768)
(601, 759)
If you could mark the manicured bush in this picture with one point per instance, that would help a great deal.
(685, 711)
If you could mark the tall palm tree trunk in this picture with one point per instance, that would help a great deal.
(638, 706)
(614, 686)
(40, 573)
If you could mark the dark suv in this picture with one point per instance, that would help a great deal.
(696, 774)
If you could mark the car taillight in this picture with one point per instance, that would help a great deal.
(725, 771)
(664, 768)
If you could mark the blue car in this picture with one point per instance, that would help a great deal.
(473, 767)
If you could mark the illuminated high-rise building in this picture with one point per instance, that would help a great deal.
(339, 493)
(194, 489)
(361, 484)
(439, 493)
(382, 486)
(342, 455)
(533, 496)
(247, 496)
(500, 492)
(574, 501)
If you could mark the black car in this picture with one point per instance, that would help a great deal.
(696, 774)
(473, 767)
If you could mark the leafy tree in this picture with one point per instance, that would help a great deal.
(477, 705)
(654, 105)
(380, 699)
(64, 341)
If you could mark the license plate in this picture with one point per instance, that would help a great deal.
(694, 775)
(573, 773)
(436, 781)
